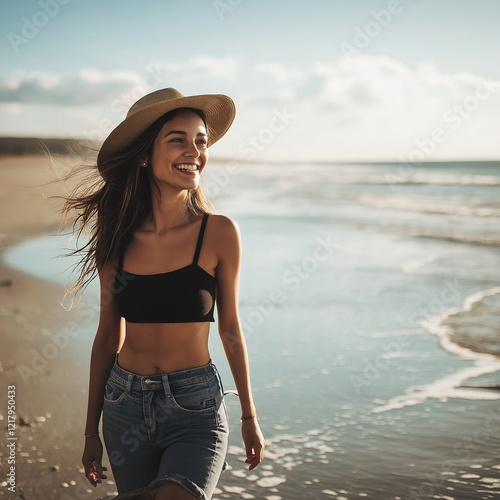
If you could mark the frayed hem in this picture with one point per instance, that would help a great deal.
(152, 487)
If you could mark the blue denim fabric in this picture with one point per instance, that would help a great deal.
(161, 428)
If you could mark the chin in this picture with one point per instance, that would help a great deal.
(191, 185)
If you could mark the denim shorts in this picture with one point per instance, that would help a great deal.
(161, 428)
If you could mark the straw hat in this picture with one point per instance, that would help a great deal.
(219, 111)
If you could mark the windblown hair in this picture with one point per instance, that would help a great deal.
(112, 205)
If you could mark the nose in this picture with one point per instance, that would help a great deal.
(192, 150)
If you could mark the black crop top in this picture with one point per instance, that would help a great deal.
(182, 296)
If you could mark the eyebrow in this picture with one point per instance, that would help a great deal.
(183, 133)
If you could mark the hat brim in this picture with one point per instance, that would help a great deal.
(219, 111)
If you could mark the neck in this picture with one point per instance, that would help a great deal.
(169, 212)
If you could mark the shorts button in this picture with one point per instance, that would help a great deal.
(148, 381)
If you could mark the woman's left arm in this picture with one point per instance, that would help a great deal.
(231, 333)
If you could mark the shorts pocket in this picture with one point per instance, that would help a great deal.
(196, 398)
(114, 392)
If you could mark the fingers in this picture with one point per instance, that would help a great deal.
(255, 455)
(96, 473)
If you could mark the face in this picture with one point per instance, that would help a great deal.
(180, 151)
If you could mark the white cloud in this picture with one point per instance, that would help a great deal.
(280, 73)
(86, 87)
(376, 107)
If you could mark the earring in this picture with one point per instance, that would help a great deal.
(142, 164)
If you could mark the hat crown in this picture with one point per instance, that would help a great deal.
(153, 98)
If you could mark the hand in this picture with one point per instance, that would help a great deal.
(91, 459)
(254, 442)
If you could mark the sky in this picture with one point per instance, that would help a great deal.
(329, 80)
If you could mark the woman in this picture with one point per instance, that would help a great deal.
(163, 262)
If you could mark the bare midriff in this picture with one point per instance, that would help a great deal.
(156, 348)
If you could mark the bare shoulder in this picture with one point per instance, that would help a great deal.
(226, 238)
(224, 226)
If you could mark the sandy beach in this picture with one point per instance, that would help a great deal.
(49, 401)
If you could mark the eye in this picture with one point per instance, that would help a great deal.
(202, 141)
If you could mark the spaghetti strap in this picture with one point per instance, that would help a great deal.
(200, 239)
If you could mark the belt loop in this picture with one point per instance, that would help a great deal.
(166, 386)
(130, 380)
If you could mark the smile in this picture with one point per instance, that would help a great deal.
(186, 167)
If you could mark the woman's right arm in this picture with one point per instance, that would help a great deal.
(108, 340)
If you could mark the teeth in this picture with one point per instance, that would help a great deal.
(191, 168)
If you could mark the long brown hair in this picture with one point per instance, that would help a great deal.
(110, 206)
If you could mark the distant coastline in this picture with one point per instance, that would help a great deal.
(19, 146)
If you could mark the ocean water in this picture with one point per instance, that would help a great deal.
(357, 283)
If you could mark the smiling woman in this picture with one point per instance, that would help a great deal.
(164, 261)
